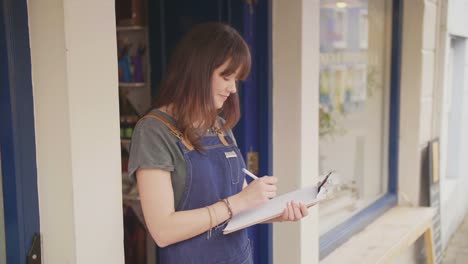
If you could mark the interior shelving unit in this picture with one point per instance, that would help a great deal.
(134, 101)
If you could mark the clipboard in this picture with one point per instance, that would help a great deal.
(274, 207)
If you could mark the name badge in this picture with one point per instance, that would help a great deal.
(230, 154)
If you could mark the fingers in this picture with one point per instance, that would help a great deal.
(259, 191)
(270, 188)
(294, 211)
(270, 195)
(297, 211)
(285, 215)
(304, 210)
(290, 211)
(269, 179)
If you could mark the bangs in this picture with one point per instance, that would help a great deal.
(240, 61)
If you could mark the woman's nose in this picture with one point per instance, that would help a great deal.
(233, 87)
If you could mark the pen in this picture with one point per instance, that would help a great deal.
(248, 173)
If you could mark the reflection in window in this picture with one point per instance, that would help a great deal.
(355, 39)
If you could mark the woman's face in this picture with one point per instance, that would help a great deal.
(222, 86)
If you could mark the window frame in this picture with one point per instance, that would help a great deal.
(341, 233)
(17, 138)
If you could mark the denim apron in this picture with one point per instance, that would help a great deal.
(212, 174)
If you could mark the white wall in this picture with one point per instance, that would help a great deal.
(295, 120)
(457, 10)
(453, 191)
(420, 22)
(417, 82)
(74, 68)
(427, 26)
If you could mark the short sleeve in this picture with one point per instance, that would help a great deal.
(150, 148)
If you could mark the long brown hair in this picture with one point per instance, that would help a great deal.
(187, 83)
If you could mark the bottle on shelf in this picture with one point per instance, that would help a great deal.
(127, 124)
(130, 63)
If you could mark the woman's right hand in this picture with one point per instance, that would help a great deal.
(255, 194)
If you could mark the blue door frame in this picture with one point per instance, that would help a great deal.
(17, 139)
(254, 131)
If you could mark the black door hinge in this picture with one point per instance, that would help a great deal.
(34, 254)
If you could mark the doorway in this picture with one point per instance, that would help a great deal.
(167, 21)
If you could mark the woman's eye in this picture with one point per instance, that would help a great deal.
(226, 78)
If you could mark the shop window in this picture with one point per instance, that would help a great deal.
(355, 65)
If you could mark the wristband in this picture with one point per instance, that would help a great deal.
(228, 205)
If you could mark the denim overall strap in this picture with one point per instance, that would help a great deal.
(172, 128)
(212, 174)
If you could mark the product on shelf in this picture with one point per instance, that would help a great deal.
(127, 124)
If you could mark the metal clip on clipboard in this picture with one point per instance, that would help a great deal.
(322, 183)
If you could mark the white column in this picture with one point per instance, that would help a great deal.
(74, 68)
(295, 120)
(410, 103)
(454, 199)
(417, 118)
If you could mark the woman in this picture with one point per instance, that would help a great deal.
(185, 158)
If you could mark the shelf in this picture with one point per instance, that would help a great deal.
(125, 143)
(131, 194)
(127, 197)
(130, 28)
(131, 85)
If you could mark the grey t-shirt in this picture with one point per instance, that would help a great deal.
(154, 146)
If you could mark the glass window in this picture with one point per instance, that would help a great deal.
(355, 47)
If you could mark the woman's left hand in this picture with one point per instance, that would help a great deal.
(294, 211)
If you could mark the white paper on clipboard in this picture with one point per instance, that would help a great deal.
(271, 209)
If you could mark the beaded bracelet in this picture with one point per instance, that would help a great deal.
(228, 205)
